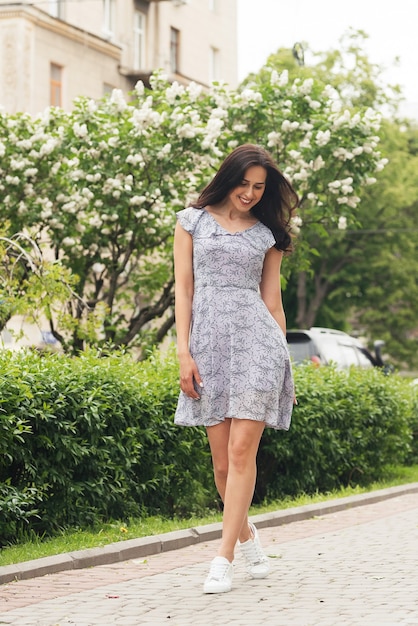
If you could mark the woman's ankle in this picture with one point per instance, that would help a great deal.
(226, 555)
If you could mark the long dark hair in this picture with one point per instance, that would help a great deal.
(279, 200)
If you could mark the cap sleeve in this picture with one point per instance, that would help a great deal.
(270, 240)
(267, 238)
(189, 218)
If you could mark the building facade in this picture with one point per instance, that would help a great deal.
(52, 51)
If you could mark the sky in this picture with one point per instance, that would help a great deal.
(266, 25)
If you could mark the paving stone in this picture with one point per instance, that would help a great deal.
(350, 567)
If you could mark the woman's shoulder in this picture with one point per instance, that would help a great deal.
(264, 235)
(189, 218)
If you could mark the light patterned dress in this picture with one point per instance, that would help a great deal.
(240, 350)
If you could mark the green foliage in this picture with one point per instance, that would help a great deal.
(17, 510)
(347, 426)
(29, 284)
(413, 456)
(90, 439)
(99, 186)
(361, 274)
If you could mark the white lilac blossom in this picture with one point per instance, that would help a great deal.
(187, 131)
(80, 130)
(306, 126)
(314, 104)
(95, 221)
(166, 144)
(93, 178)
(118, 99)
(306, 141)
(306, 86)
(135, 159)
(164, 152)
(318, 163)
(322, 137)
(353, 201)
(12, 180)
(175, 90)
(140, 89)
(239, 128)
(294, 154)
(98, 268)
(334, 186)
(30, 172)
(15, 164)
(194, 91)
(342, 222)
(288, 126)
(92, 106)
(68, 241)
(113, 141)
(295, 224)
(381, 164)
(283, 78)
(24, 144)
(249, 95)
(274, 77)
(343, 154)
(274, 139)
(137, 200)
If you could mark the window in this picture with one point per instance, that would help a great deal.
(108, 18)
(139, 40)
(55, 8)
(174, 50)
(56, 85)
(213, 64)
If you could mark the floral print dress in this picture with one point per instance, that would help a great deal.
(240, 350)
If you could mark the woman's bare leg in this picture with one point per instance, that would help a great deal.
(234, 445)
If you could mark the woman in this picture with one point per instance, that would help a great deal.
(235, 373)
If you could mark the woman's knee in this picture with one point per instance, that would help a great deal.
(220, 468)
(240, 455)
(243, 444)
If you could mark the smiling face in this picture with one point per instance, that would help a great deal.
(249, 192)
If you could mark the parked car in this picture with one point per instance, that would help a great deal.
(325, 345)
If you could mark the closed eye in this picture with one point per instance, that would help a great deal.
(245, 183)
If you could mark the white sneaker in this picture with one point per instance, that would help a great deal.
(258, 564)
(219, 579)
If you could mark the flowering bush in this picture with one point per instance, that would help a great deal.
(100, 185)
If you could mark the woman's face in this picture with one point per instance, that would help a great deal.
(249, 192)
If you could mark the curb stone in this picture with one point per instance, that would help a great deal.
(147, 546)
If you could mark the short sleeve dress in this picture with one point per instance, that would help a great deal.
(240, 350)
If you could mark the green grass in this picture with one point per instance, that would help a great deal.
(70, 540)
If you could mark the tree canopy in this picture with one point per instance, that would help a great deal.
(98, 187)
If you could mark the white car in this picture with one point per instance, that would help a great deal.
(325, 346)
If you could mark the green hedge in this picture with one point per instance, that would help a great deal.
(348, 426)
(92, 438)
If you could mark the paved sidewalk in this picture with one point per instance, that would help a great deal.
(357, 566)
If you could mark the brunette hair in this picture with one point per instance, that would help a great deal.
(279, 199)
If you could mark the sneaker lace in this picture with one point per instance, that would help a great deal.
(253, 552)
(218, 571)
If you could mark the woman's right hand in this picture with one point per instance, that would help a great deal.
(189, 375)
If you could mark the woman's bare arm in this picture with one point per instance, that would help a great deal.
(184, 290)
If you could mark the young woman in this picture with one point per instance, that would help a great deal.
(235, 373)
